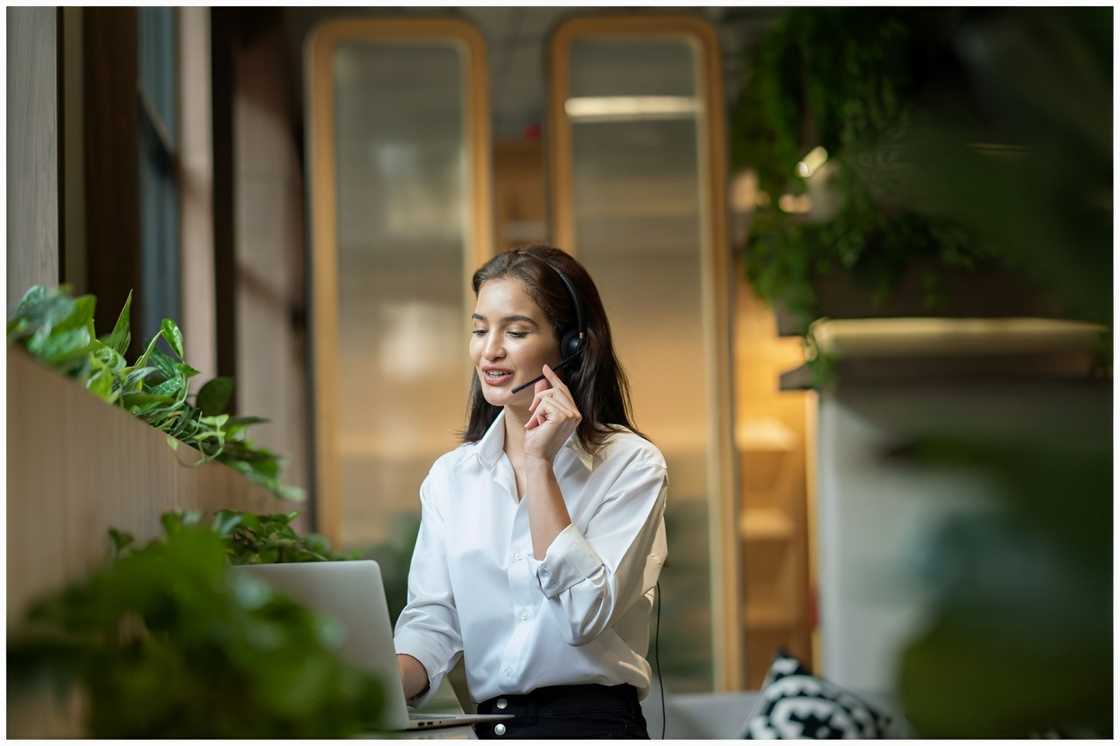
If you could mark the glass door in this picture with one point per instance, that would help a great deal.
(637, 191)
(398, 149)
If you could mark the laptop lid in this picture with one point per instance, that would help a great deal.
(351, 592)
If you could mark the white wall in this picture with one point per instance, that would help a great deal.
(873, 513)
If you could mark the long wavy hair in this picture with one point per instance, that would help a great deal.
(596, 379)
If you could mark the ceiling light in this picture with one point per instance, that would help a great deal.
(629, 108)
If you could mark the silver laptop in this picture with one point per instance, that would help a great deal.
(352, 594)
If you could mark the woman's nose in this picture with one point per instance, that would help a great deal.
(492, 348)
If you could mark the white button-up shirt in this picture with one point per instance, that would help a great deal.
(579, 615)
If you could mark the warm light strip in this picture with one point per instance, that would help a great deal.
(941, 336)
(618, 108)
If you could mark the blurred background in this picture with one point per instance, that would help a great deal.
(858, 265)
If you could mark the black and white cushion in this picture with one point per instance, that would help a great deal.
(796, 704)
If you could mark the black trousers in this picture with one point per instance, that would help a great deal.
(574, 711)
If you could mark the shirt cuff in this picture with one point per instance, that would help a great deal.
(569, 559)
(412, 644)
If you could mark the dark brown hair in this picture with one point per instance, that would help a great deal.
(596, 379)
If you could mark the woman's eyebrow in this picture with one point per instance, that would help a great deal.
(507, 319)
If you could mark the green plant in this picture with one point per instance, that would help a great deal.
(1019, 634)
(164, 642)
(1022, 156)
(58, 330)
(845, 80)
(249, 538)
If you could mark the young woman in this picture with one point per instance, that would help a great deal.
(542, 535)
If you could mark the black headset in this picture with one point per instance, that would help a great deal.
(571, 345)
(571, 341)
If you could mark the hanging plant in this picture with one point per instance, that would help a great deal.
(843, 84)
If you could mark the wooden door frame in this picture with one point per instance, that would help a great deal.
(717, 287)
(319, 115)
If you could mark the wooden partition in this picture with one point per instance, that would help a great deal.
(77, 466)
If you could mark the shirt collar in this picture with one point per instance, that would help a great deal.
(492, 444)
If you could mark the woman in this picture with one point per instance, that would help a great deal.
(542, 535)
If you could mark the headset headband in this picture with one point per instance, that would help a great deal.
(572, 292)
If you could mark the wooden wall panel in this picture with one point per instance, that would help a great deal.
(77, 466)
(32, 148)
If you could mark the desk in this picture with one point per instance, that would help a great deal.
(442, 702)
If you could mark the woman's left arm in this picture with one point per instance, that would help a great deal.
(593, 577)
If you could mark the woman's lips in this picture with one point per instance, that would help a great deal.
(497, 381)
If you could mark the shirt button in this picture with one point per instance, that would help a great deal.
(517, 556)
(524, 616)
(502, 703)
(509, 672)
(500, 729)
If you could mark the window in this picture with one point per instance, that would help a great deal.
(159, 294)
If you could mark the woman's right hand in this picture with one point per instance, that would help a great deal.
(414, 677)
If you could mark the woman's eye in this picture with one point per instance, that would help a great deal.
(518, 335)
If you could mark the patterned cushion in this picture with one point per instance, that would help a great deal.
(796, 704)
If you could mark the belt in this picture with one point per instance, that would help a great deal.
(547, 697)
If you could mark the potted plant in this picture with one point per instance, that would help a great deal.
(163, 642)
(57, 330)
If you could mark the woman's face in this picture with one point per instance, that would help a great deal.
(511, 334)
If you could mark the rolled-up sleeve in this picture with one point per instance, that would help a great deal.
(591, 578)
(428, 626)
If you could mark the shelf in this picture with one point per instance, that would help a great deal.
(765, 524)
(768, 618)
(901, 350)
(765, 434)
(920, 337)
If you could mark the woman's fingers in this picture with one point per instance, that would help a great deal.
(558, 398)
(552, 409)
(552, 395)
(555, 380)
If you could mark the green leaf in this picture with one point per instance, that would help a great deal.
(174, 337)
(148, 351)
(80, 314)
(214, 397)
(225, 521)
(216, 421)
(143, 398)
(185, 370)
(120, 337)
(169, 388)
(60, 348)
(35, 295)
(120, 539)
(237, 425)
(137, 376)
(165, 364)
(290, 492)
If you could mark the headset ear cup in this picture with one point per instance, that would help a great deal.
(570, 345)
